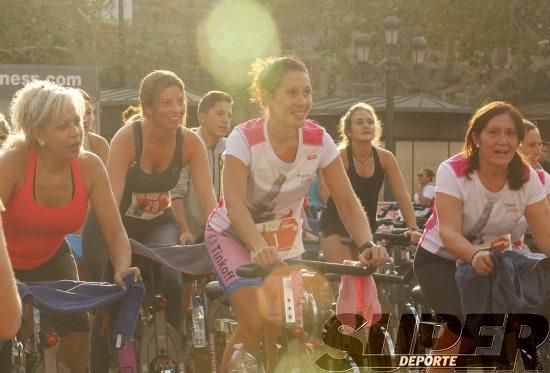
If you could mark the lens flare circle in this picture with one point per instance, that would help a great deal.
(233, 35)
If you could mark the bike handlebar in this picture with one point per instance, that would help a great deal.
(393, 238)
(391, 279)
(396, 237)
(254, 270)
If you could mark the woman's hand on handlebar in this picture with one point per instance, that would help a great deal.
(186, 238)
(482, 263)
(374, 256)
(119, 276)
(414, 236)
(268, 257)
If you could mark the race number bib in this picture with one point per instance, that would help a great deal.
(148, 206)
(284, 234)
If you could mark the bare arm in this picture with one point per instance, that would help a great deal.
(99, 146)
(235, 174)
(10, 316)
(121, 155)
(399, 190)
(422, 199)
(538, 216)
(449, 214)
(179, 192)
(323, 190)
(106, 211)
(196, 159)
(350, 210)
(186, 236)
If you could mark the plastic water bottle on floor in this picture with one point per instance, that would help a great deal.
(199, 331)
(242, 362)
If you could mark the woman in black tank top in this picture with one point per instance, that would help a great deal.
(366, 166)
(144, 164)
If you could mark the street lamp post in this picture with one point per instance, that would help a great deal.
(362, 44)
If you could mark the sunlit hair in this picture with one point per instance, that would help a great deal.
(267, 74)
(37, 104)
(529, 126)
(87, 97)
(344, 127)
(131, 114)
(150, 88)
(429, 173)
(209, 100)
(5, 128)
(478, 122)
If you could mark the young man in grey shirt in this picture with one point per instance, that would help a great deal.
(214, 115)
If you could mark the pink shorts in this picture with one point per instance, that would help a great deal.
(228, 254)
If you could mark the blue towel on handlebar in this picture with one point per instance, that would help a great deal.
(187, 259)
(520, 283)
(67, 296)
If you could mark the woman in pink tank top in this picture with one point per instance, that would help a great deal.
(47, 182)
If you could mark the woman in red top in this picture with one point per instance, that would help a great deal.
(47, 182)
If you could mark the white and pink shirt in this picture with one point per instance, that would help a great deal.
(508, 206)
(518, 233)
(275, 189)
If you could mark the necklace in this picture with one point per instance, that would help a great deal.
(363, 161)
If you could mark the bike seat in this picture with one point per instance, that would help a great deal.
(417, 294)
(214, 290)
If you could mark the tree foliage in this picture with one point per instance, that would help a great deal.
(478, 50)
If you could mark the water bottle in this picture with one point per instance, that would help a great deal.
(199, 332)
(242, 362)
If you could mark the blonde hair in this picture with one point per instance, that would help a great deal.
(150, 88)
(345, 124)
(37, 104)
(4, 125)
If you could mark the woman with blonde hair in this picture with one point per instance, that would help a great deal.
(47, 184)
(366, 165)
(91, 141)
(4, 129)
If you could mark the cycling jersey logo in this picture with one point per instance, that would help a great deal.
(511, 208)
(311, 157)
(304, 178)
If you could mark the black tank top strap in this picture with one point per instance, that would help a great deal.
(351, 163)
(138, 140)
(377, 164)
(176, 159)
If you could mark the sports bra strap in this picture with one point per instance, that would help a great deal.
(138, 140)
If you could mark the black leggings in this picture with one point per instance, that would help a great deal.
(436, 277)
(163, 230)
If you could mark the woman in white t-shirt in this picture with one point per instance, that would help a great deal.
(481, 194)
(426, 192)
(269, 164)
(531, 148)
